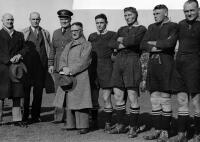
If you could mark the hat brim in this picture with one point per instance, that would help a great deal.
(64, 16)
(67, 86)
(17, 71)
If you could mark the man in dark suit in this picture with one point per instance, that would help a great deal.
(12, 51)
(61, 37)
(38, 40)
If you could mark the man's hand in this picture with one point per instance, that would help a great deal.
(16, 58)
(51, 68)
(121, 46)
(154, 49)
(66, 70)
(120, 39)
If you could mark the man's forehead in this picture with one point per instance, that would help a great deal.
(159, 10)
(128, 12)
(7, 16)
(75, 27)
(191, 5)
(100, 20)
(34, 15)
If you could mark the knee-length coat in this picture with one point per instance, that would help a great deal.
(9, 47)
(76, 56)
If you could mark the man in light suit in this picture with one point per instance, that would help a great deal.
(38, 40)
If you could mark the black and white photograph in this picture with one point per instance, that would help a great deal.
(100, 71)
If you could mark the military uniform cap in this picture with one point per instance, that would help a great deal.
(64, 13)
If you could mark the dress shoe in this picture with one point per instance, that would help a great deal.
(196, 138)
(132, 132)
(118, 129)
(181, 137)
(107, 128)
(83, 131)
(164, 137)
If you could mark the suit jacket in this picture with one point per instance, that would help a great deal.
(49, 84)
(46, 37)
(9, 47)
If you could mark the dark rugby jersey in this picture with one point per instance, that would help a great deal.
(189, 37)
(132, 36)
(102, 44)
(165, 36)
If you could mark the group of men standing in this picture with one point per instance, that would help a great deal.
(94, 66)
(167, 74)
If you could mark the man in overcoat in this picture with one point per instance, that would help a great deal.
(38, 41)
(12, 51)
(74, 61)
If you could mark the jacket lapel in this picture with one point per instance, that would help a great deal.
(5, 35)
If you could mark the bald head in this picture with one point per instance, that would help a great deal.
(34, 19)
(8, 20)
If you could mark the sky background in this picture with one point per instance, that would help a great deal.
(85, 11)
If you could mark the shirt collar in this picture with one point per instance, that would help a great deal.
(102, 33)
(10, 31)
(167, 21)
(136, 24)
(33, 29)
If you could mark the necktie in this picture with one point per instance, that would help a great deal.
(35, 33)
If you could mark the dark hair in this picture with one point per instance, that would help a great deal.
(103, 16)
(161, 6)
(191, 1)
(77, 24)
(131, 9)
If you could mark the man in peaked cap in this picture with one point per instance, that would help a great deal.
(61, 37)
(64, 13)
